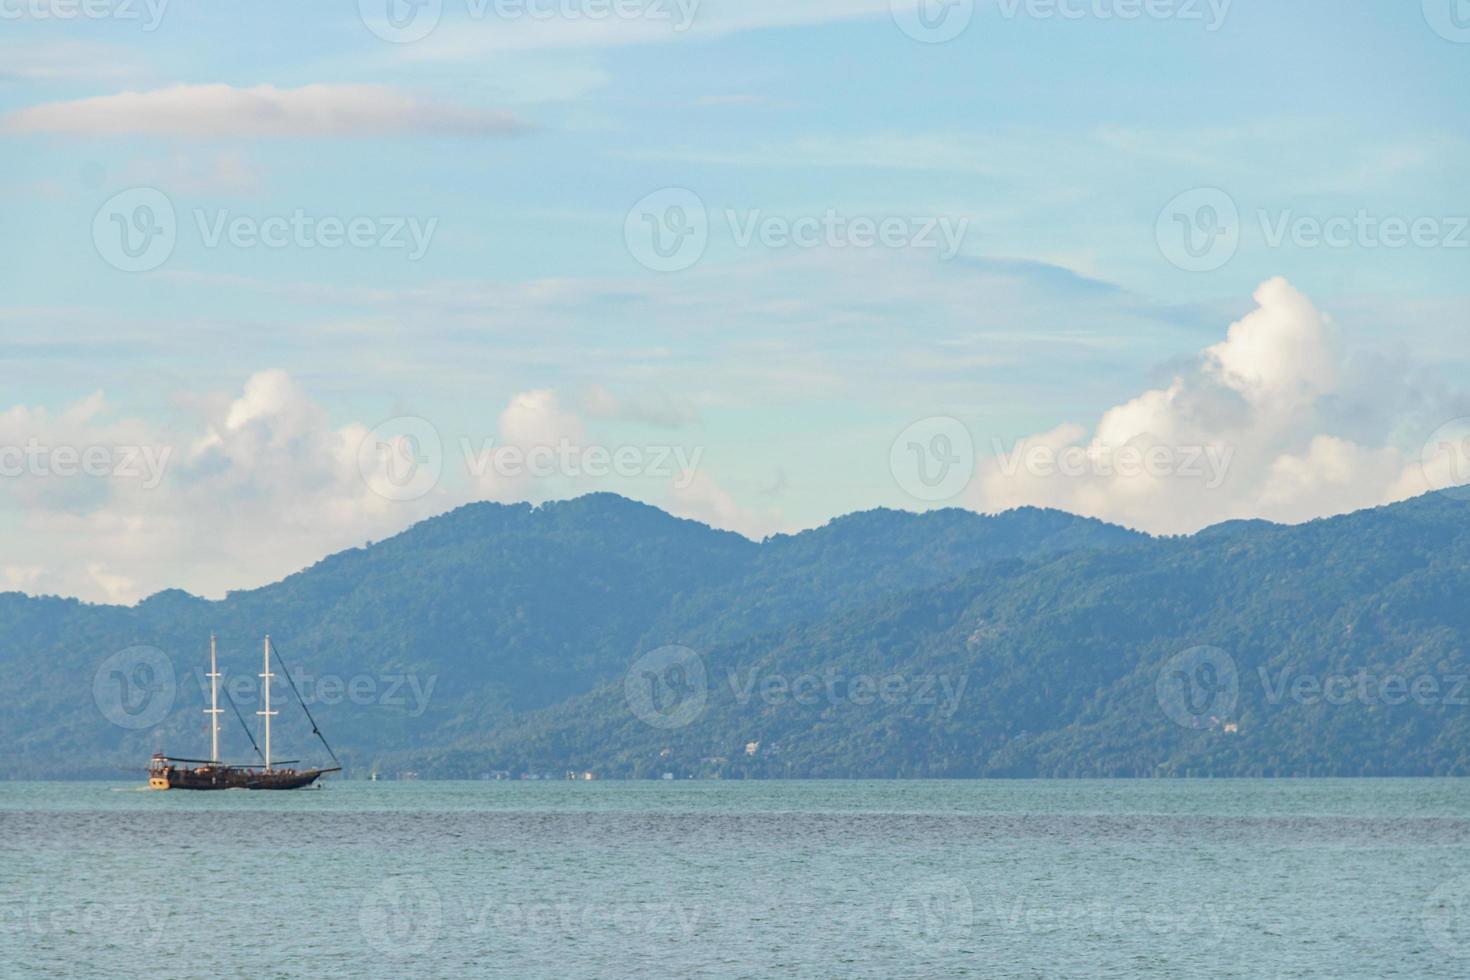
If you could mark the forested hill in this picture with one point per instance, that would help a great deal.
(1334, 648)
(464, 622)
(606, 636)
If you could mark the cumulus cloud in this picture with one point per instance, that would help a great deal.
(264, 111)
(264, 486)
(260, 483)
(706, 501)
(537, 418)
(1254, 429)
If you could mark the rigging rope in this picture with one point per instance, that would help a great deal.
(301, 701)
(248, 733)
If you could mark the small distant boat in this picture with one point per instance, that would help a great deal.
(172, 772)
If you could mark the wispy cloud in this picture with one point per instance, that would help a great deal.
(649, 22)
(739, 101)
(218, 173)
(219, 110)
(66, 61)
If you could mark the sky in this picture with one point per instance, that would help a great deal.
(279, 279)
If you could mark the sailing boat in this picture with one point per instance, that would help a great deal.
(171, 772)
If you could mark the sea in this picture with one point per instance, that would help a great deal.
(998, 879)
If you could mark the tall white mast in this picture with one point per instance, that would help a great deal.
(265, 689)
(213, 710)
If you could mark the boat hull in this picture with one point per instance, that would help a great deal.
(209, 777)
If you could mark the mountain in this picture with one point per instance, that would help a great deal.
(464, 623)
(1333, 648)
(604, 635)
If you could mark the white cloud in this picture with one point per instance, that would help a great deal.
(1247, 432)
(536, 418)
(656, 408)
(219, 110)
(656, 22)
(267, 487)
(67, 61)
(262, 483)
(706, 501)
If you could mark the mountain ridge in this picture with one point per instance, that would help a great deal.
(516, 627)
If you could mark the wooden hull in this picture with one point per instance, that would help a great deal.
(209, 777)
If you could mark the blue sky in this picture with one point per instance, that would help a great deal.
(1060, 146)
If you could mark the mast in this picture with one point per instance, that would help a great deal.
(265, 689)
(214, 709)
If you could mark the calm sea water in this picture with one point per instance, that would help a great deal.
(1330, 878)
